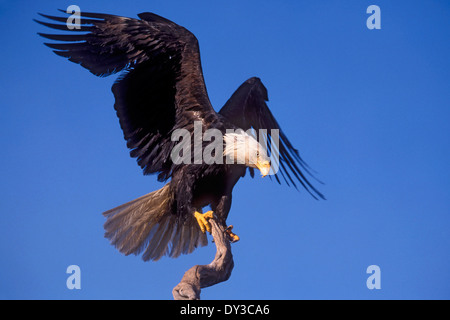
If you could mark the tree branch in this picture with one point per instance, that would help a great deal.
(202, 276)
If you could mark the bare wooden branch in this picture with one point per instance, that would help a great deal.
(202, 276)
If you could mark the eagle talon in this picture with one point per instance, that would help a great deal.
(202, 219)
(231, 236)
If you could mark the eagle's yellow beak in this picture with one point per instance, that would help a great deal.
(264, 167)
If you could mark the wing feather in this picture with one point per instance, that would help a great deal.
(247, 109)
(161, 87)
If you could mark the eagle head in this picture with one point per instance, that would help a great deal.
(243, 148)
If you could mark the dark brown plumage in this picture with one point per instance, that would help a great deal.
(161, 89)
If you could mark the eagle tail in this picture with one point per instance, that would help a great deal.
(146, 225)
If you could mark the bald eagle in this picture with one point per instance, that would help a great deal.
(160, 90)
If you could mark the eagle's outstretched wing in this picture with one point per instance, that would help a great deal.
(247, 109)
(161, 88)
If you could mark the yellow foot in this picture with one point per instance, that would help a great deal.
(231, 236)
(202, 220)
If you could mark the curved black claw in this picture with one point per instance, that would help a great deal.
(231, 236)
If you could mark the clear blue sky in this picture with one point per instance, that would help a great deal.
(369, 110)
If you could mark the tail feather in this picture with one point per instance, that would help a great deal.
(189, 232)
(147, 225)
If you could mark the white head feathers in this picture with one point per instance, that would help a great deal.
(243, 148)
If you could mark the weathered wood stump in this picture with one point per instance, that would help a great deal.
(202, 276)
